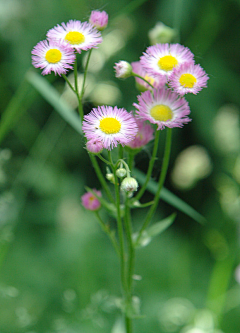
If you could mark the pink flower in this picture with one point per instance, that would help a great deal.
(99, 19)
(94, 146)
(144, 135)
(90, 202)
(164, 108)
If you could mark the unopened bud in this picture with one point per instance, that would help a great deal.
(110, 177)
(121, 172)
(161, 34)
(123, 69)
(129, 184)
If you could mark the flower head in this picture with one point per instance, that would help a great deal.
(53, 56)
(144, 135)
(99, 19)
(188, 78)
(161, 59)
(90, 202)
(123, 69)
(129, 184)
(164, 108)
(157, 82)
(80, 36)
(112, 126)
(94, 146)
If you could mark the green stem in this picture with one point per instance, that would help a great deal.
(85, 74)
(80, 106)
(131, 249)
(100, 177)
(142, 78)
(150, 167)
(131, 156)
(108, 232)
(120, 230)
(103, 159)
(160, 182)
(69, 83)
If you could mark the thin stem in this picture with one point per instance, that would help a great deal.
(131, 156)
(120, 152)
(150, 167)
(131, 250)
(160, 182)
(85, 74)
(142, 78)
(80, 106)
(103, 159)
(108, 232)
(120, 227)
(68, 82)
(100, 177)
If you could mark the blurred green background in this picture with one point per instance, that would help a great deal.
(58, 272)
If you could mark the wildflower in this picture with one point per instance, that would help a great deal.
(188, 78)
(90, 202)
(110, 125)
(157, 82)
(161, 34)
(161, 59)
(129, 184)
(123, 69)
(144, 135)
(53, 56)
(99, 19)
(164, 108)
(94, 146)
(80, 36)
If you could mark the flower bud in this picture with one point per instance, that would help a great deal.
(110, 177)
(94, 146)
(129, 184)
(123, 69)
(90, 202)
(99, 19)
(121, 172)
(161, 34)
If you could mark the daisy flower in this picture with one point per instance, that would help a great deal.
(99, 19)
(144, 135)
(53, 56)
(112, 126)
(81, 36)
(90, 202)
(164, 108)
(161, 59)
(157, 82)
(188, 78)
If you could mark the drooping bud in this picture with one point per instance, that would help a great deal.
(129, 184)
(121, 172)
(123, 69)
(94, 146)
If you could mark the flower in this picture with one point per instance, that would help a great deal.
(94, 146)
(144, 135)
(110, 125)
(129, 184)
(90, 202)
(53, 56)
(157, 82)
(188, 78)
(164, 108)
(99, 19)
(123, 69)
(80, 36)
(161, 59)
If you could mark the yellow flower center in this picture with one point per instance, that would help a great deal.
(53, 56)
(110, 125)
(149, 79)
(187, 80)
(74, 37)
(167, 63)
(161, 112)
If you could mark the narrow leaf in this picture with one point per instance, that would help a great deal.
(170, 198)
(51, 95)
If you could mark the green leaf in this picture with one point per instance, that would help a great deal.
(155, 230)
(51, 95)
(170, 198)
(16, 108)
